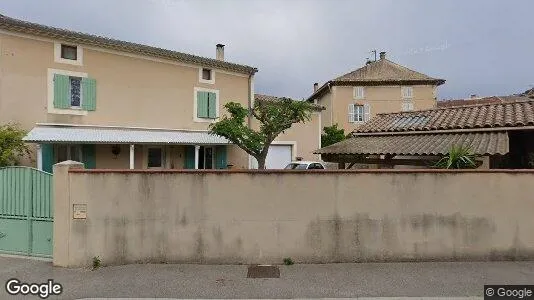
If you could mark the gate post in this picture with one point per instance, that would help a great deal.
(62, 211)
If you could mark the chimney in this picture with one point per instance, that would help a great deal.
(315, 87)
(219, 52)
(383, 55)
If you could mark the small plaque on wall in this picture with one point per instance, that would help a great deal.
(79, 211)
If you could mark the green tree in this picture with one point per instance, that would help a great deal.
(12, 148)
(274, 118)
(458, 157)
(331, 135)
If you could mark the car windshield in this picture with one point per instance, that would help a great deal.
(297, 166)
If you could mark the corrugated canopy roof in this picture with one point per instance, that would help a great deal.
(119, 135)
(482, 143)
(493, 115)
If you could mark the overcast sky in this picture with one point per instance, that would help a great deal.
(483, 47)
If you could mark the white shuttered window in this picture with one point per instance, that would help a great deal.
(359, 113)
(407, 92)
(359, 92)
(407, 106)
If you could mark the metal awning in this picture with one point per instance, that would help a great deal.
(481, 143)
(82, 134)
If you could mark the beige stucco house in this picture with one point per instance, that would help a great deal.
(116, 104)
(382, 86)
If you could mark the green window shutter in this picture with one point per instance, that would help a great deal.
(89, 156)
(61, 91)
(189, 157)
(202, 104)
(47, 151)
(220, 157)
(89, 94)
(212, 105)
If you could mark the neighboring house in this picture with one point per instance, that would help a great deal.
(379, 87)
(502, 133)
(527, 95)
(116, 104)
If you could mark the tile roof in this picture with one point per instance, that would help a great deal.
(380, 72)
(386, 71)
(482, 143)
(19, 26)
(119, 135)
(260, 97)
(494, 115)
(483, 100)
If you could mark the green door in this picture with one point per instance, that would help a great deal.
(26, 211)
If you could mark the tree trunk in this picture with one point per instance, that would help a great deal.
(261, 162)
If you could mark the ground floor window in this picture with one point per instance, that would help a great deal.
(155, 157)
(206, 157)
(67, 152)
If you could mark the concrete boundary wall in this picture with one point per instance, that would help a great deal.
(241, 217)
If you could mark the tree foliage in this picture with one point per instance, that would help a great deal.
(458, 157)
(331, 135)
(274, 118)
(12, 148)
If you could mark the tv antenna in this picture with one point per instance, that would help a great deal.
(374, 51)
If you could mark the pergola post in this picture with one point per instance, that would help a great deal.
(132, 157)
(39, 157)
(197, 150)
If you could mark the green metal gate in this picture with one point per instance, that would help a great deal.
(26, 211)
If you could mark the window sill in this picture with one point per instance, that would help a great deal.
(69, 61)
(71, 111)
(207, 81)
(205, 120)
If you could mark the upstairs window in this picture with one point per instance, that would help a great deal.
(407, 92)
(359, 92)
(69, 52)
(359, 113)
(206, 105)
(73, 92)
(206, 74)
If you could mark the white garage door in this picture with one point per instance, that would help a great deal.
(277, 158)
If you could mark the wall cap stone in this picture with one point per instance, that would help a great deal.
(315, 172)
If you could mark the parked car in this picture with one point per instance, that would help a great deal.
(305, 165)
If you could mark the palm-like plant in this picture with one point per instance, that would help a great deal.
(459, 157)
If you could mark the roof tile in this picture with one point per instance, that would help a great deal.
(481, 143)
(384, 70)
(19, 26)
(494, 115)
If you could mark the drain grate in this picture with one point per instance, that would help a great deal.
(263, 271)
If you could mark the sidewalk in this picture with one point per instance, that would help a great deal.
(297, 281)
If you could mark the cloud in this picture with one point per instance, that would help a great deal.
(296, 43)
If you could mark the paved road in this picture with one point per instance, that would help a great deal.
(445, 279)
